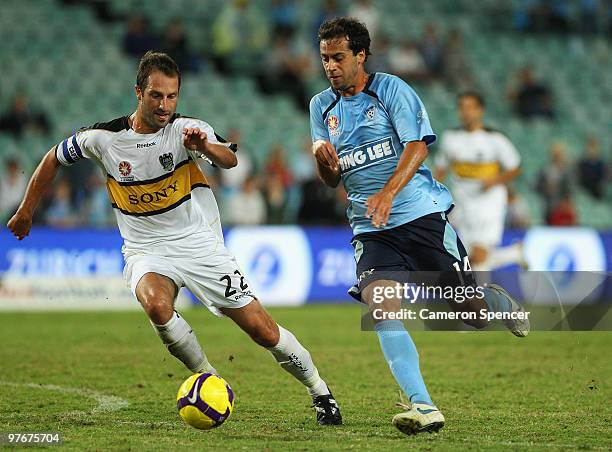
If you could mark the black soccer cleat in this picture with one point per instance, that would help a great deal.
(328, 411)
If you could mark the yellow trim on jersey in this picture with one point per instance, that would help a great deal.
(158, 195)
(475, 170)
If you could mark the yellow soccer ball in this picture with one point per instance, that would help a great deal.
(205, 401)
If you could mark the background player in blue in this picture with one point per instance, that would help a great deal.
(371, 131)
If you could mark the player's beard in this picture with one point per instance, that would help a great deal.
(153, 121)
(350, 82)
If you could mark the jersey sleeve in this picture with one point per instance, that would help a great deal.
(183, 123)
(407, 112)
(213, 138)
(318, 131)
(84, 144)
(507, 155)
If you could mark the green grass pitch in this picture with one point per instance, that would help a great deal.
(549, 391)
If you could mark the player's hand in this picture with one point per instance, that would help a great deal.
(325, 153)
(486, 184)
(379, 207)
(20, 224)
(194, 139)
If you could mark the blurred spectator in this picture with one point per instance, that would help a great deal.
(139, 38)
(608, 13)
(98, 210)
(432, 50)
(547, 15)
(20, 118)
(522, 14)
(589, 12)
(560, 15)
(564, 213)
(329, 10)
(276, 199)
(247, 206)
(284, 14)
(380, 60)
(233, 178)
(554, 180)
(60, 212)
(531, 98)
(174, 43)
(517, 214)
(592, 169)
(239, 34)
(457, 73)
(286, 69)
(13, 184)
(302, 164)
(407, 63)
(367, 13)
(320, 204)
(277, 166)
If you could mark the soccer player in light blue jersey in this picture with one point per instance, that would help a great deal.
(371, 131)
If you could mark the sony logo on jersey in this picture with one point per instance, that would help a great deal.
(145, 145)
(156, 196)
(366, 155)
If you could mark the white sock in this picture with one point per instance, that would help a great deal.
(182, 343)
(296, 360)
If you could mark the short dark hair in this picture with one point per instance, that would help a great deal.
(347, 27)
(474, 95)
(156, 61)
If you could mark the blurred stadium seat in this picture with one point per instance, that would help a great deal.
(71, 65)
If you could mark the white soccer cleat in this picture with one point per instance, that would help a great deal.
(519, 327)
(418, 418)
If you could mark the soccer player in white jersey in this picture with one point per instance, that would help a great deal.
(482, 161)
(169, 221)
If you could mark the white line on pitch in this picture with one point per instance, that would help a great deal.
(106, 403)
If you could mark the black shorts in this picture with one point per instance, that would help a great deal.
(428, 245)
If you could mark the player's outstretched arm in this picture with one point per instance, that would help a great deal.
(21, 223)
(196, 140)
(327, 162)
(379, 205)
(502, 179)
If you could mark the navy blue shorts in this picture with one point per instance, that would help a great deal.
(428, 245)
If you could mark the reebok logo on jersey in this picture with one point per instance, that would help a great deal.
(145, 145)
(366, 155)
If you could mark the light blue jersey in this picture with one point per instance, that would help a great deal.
(370, 131)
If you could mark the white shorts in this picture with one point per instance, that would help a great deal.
(478, 226)
(212, 275)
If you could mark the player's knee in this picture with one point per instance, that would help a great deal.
(478, 255)
(157, 305)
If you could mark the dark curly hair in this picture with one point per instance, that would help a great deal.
(474, 95)
(159, 61)
(350, 28)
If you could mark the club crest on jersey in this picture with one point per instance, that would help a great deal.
(333, 124)
(371, 112)
(167, 161)
(125, 170)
